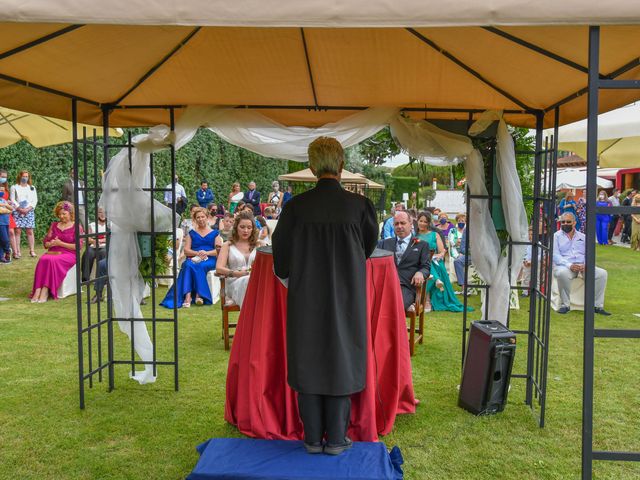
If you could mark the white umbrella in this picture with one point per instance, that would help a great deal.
(618, 137)
(571, 178)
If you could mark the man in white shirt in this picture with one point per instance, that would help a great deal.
(568, 263)
(181, 197)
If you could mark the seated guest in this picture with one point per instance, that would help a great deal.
(458, 263)
(439, 287)
(270, 213)
(412, 257)
(200, 249)
(237, 256)
(187, 223)
(214, 219)
(101, 280)
(53, 266)
(568, 263)
(95, 251)
(226, 226)
(264, 237)
(387, 226)
(455, 235)
(444, 225)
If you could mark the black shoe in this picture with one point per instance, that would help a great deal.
(330, 449)
(602, 311)
(315, 447)
(563, 310)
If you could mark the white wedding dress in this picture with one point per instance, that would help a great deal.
(236, 287)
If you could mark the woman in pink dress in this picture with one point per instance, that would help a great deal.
(53, 266)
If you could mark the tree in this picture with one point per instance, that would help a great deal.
(379, 147)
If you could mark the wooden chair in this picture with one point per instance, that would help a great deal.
(226, 309)
(416, 332)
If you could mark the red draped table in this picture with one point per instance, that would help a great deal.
(260, 402)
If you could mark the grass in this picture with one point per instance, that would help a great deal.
(149, 432)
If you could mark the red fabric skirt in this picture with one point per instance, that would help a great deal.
(258, 399)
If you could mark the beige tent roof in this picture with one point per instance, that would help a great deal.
(448, 60)
(307, 176)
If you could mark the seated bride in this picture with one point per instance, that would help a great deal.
(200, 249)
(237, 256)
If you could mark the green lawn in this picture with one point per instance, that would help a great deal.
(150, 432)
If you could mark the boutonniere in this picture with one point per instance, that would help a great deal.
(415, 240)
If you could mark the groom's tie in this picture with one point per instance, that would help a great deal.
(401, 246)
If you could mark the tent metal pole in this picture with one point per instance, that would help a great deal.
(39, 41)
(164, 59)
(590, 254)
(467, 68)
(306, 56)
(37, 86)
(537, 49)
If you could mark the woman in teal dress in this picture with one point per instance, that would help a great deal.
(438, 286)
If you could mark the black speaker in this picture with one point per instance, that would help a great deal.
(487, 368)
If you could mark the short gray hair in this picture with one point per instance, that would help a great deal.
(325, 156)
(569, 214)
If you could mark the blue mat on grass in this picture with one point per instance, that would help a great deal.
(248, 459)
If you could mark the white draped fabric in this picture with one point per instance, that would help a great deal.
(128, 208)
(248, 129)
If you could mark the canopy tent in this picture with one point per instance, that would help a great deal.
(618, 137)
(40, 131)
(577, 179)
(347, 177)
(309, 63)
(371, 183)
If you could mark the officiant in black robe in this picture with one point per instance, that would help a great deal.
(321, 244)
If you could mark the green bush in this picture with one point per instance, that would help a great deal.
(205, 157)
(404, 185)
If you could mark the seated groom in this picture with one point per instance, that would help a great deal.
(568, 263)
(412, 257)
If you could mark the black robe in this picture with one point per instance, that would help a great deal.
(321, 244)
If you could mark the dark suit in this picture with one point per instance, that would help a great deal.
(254, 200)
(323, 239)
(68, 194)
(415, 259)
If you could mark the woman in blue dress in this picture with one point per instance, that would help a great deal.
(602, 219)
(439, 286)
(200, 249)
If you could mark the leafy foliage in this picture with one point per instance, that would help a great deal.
(205, 157)
(158, 258)
(377, 148)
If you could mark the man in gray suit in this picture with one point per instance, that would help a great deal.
(412, 257)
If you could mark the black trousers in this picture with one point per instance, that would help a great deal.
(612, 225)
(324, 413)
(408, 295)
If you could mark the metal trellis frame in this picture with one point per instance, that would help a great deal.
(97, 348)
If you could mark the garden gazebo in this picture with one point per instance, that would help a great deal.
(135, 63)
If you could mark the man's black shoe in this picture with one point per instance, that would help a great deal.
(563, 310)
(602, 311)
(330, 449)
(315, 447)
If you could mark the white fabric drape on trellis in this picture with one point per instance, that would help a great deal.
(248, 129)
